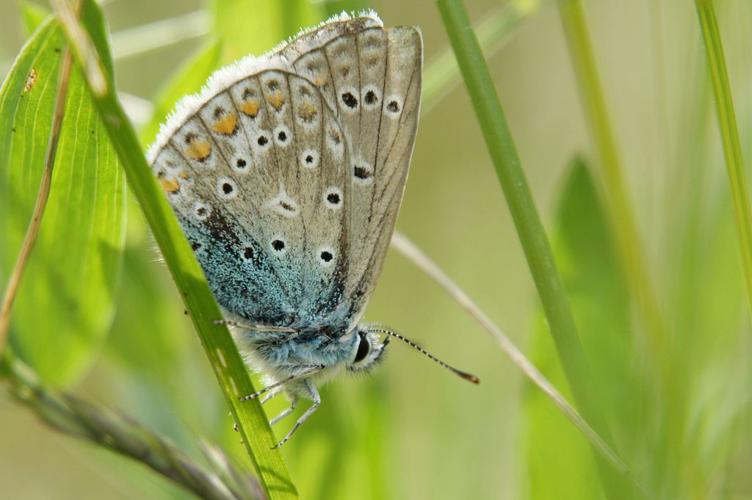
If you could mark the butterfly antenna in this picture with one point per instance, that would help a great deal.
(467, 376)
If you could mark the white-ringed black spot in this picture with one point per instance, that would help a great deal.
(361, 172)
(201, 211)
(248, 253)
(241, 163)
(218, 112)
(326, 256)
(371, 98)
(349, 99)
(309, 158)
(393, 106)
(278, 245)
(333, 198)
(282, 136)
(226, 188)
(262, 140)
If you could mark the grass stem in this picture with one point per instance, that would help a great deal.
(732, 150)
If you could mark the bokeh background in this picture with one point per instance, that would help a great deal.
(412, 430)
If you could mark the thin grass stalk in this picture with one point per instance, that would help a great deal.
(415, 255)
(529, 228)
(32, 232)
(617, 200)
(732, 150)
(118, 433)
(228, 367)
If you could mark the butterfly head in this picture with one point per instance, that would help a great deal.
(368, 349)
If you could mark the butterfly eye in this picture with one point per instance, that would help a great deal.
(363, 348)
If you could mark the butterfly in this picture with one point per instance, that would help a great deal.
(286, 174)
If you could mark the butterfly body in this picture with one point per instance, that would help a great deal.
(286, 174)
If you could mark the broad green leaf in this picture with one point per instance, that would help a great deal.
(66, 300)
(256, 27)
(187, 80)
(598, 294)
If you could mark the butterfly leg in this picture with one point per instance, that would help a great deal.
(285, 412)
(271, 394)
(307, 370)
(313, 394)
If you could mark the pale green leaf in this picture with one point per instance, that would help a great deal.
(66, 300)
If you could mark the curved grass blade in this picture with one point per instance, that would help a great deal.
(225, 361)
(66, 301)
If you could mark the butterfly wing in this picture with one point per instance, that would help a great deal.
(287, 172)
(254, 174)
(372, 78)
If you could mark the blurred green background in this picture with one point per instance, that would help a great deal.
(411, 430)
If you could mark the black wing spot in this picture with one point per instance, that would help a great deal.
(262, 140)
(282, 136)
(241, 163)
(278, 245)
(326, 256)
(370, 97)
(349, 100)
(361, 172)
(393, 106)
(227, 188)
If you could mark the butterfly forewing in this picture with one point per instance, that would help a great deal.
(373, 77)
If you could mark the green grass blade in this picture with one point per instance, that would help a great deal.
(530, 230)
(228, 367)
(66, 299)
(729, 134)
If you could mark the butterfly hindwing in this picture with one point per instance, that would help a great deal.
(258, 180)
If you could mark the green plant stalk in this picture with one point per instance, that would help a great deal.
(527, 222)
(228, 367)
(120, 434)
(732, 150)
(617, 200)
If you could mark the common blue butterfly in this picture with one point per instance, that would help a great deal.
(286, 173)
